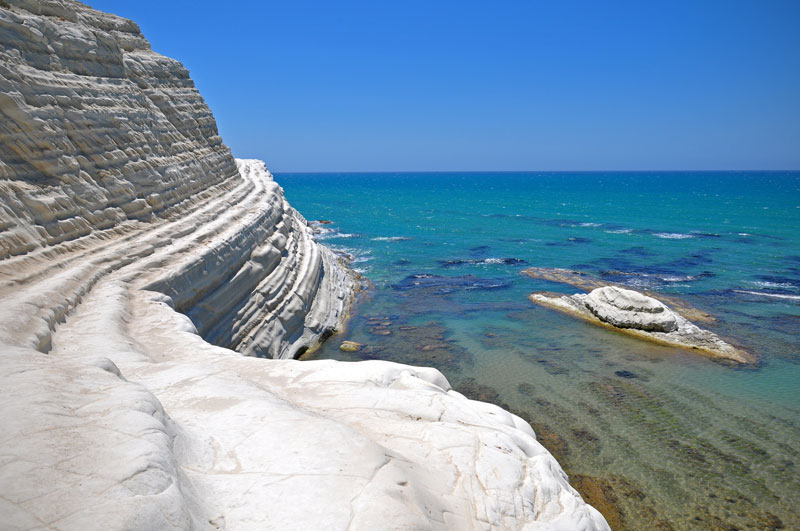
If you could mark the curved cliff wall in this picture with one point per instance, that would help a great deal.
(102, 139)
(133, 248)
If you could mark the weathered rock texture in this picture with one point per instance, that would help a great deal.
(120, 205)
(645, 317)
(103, 140)
(625, 308)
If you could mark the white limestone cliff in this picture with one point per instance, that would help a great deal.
(138, 262)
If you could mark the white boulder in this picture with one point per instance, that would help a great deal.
(625, 308)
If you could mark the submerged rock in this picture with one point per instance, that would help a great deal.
(645, 317)
(350, 346)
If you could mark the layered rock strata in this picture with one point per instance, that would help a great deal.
(642, 316)
(133, 248)
(102, 140)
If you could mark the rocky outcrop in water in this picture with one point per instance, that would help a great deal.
(136, 257)
(588, 282)
(645, 317)
(625, 308)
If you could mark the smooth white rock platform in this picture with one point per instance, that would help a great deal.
(133, 248)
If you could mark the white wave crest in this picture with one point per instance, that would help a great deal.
(772, 295)
(672, 235)
(332, 234)
(771, 285)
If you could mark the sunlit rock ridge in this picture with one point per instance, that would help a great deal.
(139, 261)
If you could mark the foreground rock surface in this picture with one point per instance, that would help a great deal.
(645, 317)
(131, 241)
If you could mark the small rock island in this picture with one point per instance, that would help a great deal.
(642, 316)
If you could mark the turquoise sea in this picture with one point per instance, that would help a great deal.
(655, 437)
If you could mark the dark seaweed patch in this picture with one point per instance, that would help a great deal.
(690, 260)
(474, 390)
(687, 451)
(389, 338)
(639, 251)
(460, 262)
(583, 435)
(552, 368)
(621, 268)
(444, 285)
(479, 251)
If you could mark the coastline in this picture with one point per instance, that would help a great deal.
(124, 274)
(139, 262)
(653, 434)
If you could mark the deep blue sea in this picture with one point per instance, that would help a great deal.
(655, 437)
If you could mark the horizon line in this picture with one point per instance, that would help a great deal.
(333, 172)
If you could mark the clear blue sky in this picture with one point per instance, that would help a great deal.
(462, 85)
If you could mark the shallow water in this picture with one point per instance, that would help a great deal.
(653, 436)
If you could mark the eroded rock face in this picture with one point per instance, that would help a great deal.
(626, 308)
(101, 139)
(97, 130)
(119, 205)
